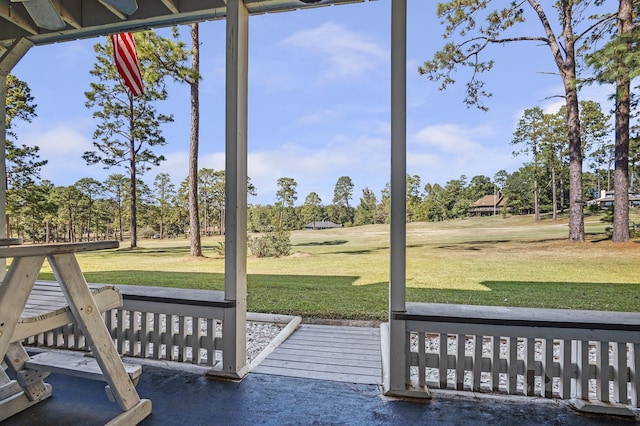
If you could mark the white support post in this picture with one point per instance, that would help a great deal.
(398, 357)
(7, 61)
(235, 278)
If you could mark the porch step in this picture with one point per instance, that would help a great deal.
(78, 365)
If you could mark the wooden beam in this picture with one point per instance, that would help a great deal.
(10, 58)
(171, 5)
(113, 10)
(67, 14)
(18, 16)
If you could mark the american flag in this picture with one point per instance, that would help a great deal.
(126, 58)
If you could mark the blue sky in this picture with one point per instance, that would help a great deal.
(318, 103)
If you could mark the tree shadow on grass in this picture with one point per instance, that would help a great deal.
(314, 296)
(336, 296)
(209, 250)
(361, 251)
(480, 244)
(322, 243)
(557, 295)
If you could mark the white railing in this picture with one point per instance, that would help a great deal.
(586, 355)
(157, 323)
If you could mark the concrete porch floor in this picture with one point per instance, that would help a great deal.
(182, 397)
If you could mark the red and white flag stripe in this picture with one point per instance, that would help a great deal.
(126, 58)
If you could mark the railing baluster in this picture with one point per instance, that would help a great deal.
(66, 334)
(144, 334)
(134, 337)
(170, 337)
(529, 375)
(180, 340)
(108, 321)
(477, 363)
(602, 371)
(195, 346)
(211, 340)
(547, 368)
(460, 356)
(495, 364)
(127, 333)
(422, 359)
(156, 336)
(634, 355)
(120, 330)
(512, 365)
(443, 360)
(585, 369)
(565, 369)
(575, 361)
(620, 370)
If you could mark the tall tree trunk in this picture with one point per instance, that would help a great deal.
(622, 111)
(568, 72)
(194, 217)
(132, 186)
(567, 68)
(536, 200)
(89, 222)
(554, 193)
(562, 195)
(120, 227)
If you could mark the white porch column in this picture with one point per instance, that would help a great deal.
(397, 293)
(235, 276)
(7, 61)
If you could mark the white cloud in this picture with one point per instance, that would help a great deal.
(62, 146)
(365, 159)
(346, 53)
(552, 106)
(443, 152)
(453, 138)
(72, 55)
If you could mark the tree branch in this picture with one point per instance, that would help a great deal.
(605, 18)
(545, 40)
(553, 42)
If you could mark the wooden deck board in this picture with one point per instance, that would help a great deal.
(326, 360)
(335, 353)
(284, 353)
(309, 374)
(372, 342)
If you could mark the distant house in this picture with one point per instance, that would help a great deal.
(321, 224)
(488, 205)
(607, 197)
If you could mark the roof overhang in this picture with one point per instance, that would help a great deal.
(52, 21)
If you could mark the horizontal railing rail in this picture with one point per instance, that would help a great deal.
(588, 355)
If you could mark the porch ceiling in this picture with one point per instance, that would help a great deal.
(74, 19)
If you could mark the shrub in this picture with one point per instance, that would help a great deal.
(219, 248)
(273, 243)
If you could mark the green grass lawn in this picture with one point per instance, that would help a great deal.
(344, 273)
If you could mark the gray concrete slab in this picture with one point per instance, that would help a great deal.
(187, 398)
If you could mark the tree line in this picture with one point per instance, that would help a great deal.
(93, 210)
